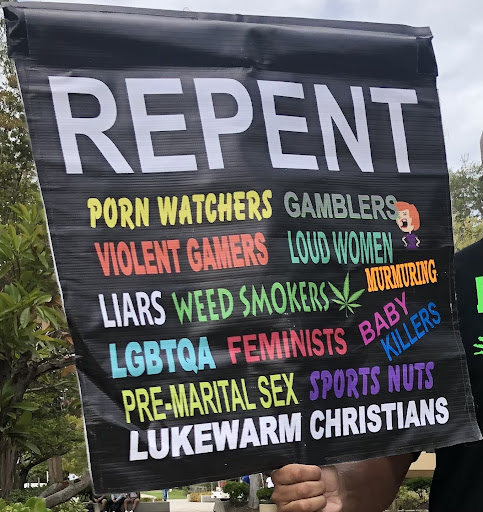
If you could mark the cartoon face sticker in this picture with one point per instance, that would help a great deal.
(408, 222)
(404, 221)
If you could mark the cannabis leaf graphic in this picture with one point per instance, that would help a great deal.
(344, 299)
(478, 345)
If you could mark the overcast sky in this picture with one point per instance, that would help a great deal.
(457, 26)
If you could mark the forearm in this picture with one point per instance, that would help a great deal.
(371, 485)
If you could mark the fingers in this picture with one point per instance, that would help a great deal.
(295, 473)
(315, 504)
(299, 488)
(299, 491)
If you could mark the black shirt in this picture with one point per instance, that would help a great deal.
(458, 478)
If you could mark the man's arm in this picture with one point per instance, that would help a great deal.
(366, 486)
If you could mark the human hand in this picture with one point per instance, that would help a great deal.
(302, 488)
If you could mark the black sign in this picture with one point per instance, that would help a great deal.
(251, 225)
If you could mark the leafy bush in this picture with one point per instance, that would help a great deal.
(86, 494)
(22, 495)
(196, 496)
(420, 485)
(70, 506)
(31, 505)
(265, 493)
(410, 500)
(238, 492)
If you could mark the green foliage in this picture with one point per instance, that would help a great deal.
(17, 182)
(345, 299)
(56, 428)
(265, 493)
(70, 506)
(54, 434)
(238, 492)
(31, 317)
(33, 335)
(32, 324)
(31, 505)
(196, 496)
(86, 494)
(466, 232)
(75, 461)
(466, 187)
(24, 494)
(411, 500)
(420, 485)
(38, 473)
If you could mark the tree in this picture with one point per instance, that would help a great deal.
(62, 495)
(55, 429)
(466, 232)
(17, 179)
(466, 187)
(75, 460)
(33, 335)
(420, 485)
(32, 326)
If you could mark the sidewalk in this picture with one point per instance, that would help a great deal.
(186, 506)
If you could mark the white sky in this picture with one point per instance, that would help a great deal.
(457, 26)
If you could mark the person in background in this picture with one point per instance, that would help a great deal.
(371, 485)
(115, 503)
(131, 501)
(99, 499)
(165, 494)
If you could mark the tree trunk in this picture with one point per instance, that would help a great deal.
(22, 476)
(69, 491)
(23, 470)
(51, 489)
(255, 484)
(55, 469)
(8, 463)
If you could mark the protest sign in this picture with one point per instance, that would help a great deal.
(251, 225)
